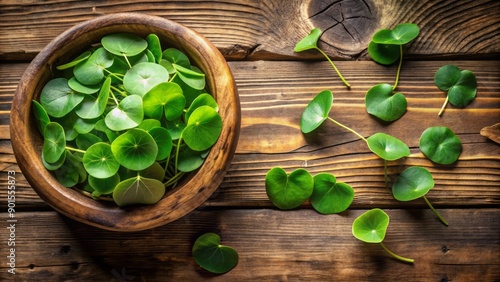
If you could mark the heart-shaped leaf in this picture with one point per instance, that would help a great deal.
(54, 142)
(210, 254)
(41, 116)
(138, 190)
(400, 35)
(167, 98)
(316, 112)
(121, 44)
(381, 103)
(203, 128)
(384, 54)
(387, 147)
(288, 191)
(308, 42)
(91, 71)
(330, 196)
(128, 114)
(135, 149)
(413, 183)
(371, 226)
(460, 85)
(192, 78)
(440, 144)
(143, 77)
(58, 99)
(99, 161)
(92, 107)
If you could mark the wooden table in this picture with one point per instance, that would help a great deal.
(275, 84)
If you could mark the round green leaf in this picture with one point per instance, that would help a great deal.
(211, 255)
(76, 61)
(440, 144)
(387, 147)
(401, 34)
(68, 174)
(91, 71)
(189, 160)
(163, 141)
(462, 93)
(54, 142)
(41, 116)
(167, 98)
(371, 226)
(128, 114)
(84, 141)
(446, 77)
(175, 128)
(154, 46)
(127, 44)
(74, 84)
(413, 183)
(99, 161)
(191, 77)
(330, 196)
(143, 77)
(316, 112)
(175, 56)
(288, 191)
(384, 54)
(202, 100)
(154, 171)
(84, 126)
(104, 185)
(308, 42)
(148, 124)
(381, 103)
(92, 107)
(138, 190)
(54, 165)
(58, 99)
(135, 149)
(203, 128)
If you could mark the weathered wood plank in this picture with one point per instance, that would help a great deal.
(269, 29)
(273, 95)
(272, 245)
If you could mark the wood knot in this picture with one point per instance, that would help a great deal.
(347, 25)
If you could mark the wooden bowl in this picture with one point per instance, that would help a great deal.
(177, 202)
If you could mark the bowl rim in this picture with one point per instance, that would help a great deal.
(178, 203)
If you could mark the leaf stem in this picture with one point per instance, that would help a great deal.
(75, 150)
(174, 179)
(435, 211)
(177, 153)
(113, 74)
(334, 67)
(347, 128)
(114, 97)
(409, 260)
(444, 106)
(126, 59)
(399, 67)
(172, 78)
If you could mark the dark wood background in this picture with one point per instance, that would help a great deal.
(275, 84)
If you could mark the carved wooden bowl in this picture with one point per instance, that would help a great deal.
(195, 189)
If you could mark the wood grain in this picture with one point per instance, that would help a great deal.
(273, 95)
(272, 245)
(269, 29)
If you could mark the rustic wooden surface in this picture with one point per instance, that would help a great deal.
(257, 37)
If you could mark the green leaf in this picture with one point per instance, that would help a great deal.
(128, 114)
(400, 35)
(440, 144)
(154, 171)
(84, 126)
(413, 183)
(446, 77)
(192, 78)
(99, 161)
(138, 190)
(330, 196)
(74, 84)
(84, 141)
(104, 185)
(175, 128)
(91, 71)
(127, 44)
(82, 57)
(384, 54)
(92, 107)
(371, 226)
(288, 191)
(308, 42)
(148, 124)
(316, 112)
(203, 128)
(163, 141)
(167, 98)
(202, 100)
(460, 85)
(387, 147)
(141, 78)
(54, 143)
(175, 56)
(54, 165)
(154, 46)
(381, 103)
(41, 116)
(189, 159)
(69, 173)
(211, 255)
(58, 99)
(135, 149)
